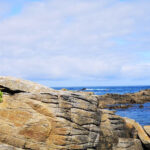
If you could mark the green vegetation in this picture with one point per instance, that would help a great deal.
(1, 96)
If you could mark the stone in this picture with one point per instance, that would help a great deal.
(117, 101)
(145, 139)
(36, 117)
(18, 85)
(128, 144)
(147, 129)
(115, 135)
(8, 147)
(39, 118)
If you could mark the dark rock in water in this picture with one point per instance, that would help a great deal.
(141, 106)
(83, 89)
(120, 106)
(63, 89)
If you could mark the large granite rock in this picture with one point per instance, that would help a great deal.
(34, 117)
(18, 85)
(39, 118)
(147, 129)
(131, 124)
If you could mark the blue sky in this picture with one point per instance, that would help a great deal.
(76, 42)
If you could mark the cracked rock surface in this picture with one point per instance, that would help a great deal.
(35, 117)
(47, 119)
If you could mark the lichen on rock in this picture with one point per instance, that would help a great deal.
(36, 117)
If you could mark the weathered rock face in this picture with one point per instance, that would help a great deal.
(131, 124)
(147, 130)
(115, 135)
(48, 120)
(14, 85)
(34, 117)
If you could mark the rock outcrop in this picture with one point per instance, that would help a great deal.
(115, 101)
(44, 119)
(147, 129)
(15, 85)
(132, 125)
(35, 117)
(115, 135)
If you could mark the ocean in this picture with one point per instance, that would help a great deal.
(141, 115)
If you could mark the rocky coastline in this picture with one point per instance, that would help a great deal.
(35, 117)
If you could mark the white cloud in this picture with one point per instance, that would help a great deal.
(74, 39)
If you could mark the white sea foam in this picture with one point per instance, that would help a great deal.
(97, 89)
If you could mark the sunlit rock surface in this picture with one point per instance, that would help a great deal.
(35, 117)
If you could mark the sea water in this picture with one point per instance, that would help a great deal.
(141, 115)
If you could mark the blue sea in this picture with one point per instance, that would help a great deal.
(141, 115)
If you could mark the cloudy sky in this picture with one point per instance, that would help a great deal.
(76, 42)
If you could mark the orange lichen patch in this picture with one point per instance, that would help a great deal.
(76, 147)
(4, 104)
(39, 131)
(18, 117)
(129, 123)
(40, 109)
(57, 135)
(59, 140)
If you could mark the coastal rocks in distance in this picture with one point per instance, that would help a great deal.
(109, 100)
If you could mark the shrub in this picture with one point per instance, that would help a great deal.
(1, 96)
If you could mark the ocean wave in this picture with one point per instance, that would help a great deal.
(97, 89)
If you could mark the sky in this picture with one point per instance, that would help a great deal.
(76, 42)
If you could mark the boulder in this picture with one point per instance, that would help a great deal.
(39, 118)
(18, 85)
(145, 139)
(147, 129)
(35, 117)
(115, 135)
(128, 144)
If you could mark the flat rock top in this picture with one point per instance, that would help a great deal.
(147, 129)
(16, 84)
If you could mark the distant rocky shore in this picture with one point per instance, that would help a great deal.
(114, 101)
(35, 117)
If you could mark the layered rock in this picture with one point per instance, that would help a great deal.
(35, 117)
(147, 129)
(132, 125)
(115, 135)
(44, 119)
(15, 85)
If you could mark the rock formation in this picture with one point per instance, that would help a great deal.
(147, 129)
(35, 117)
(114, 101)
